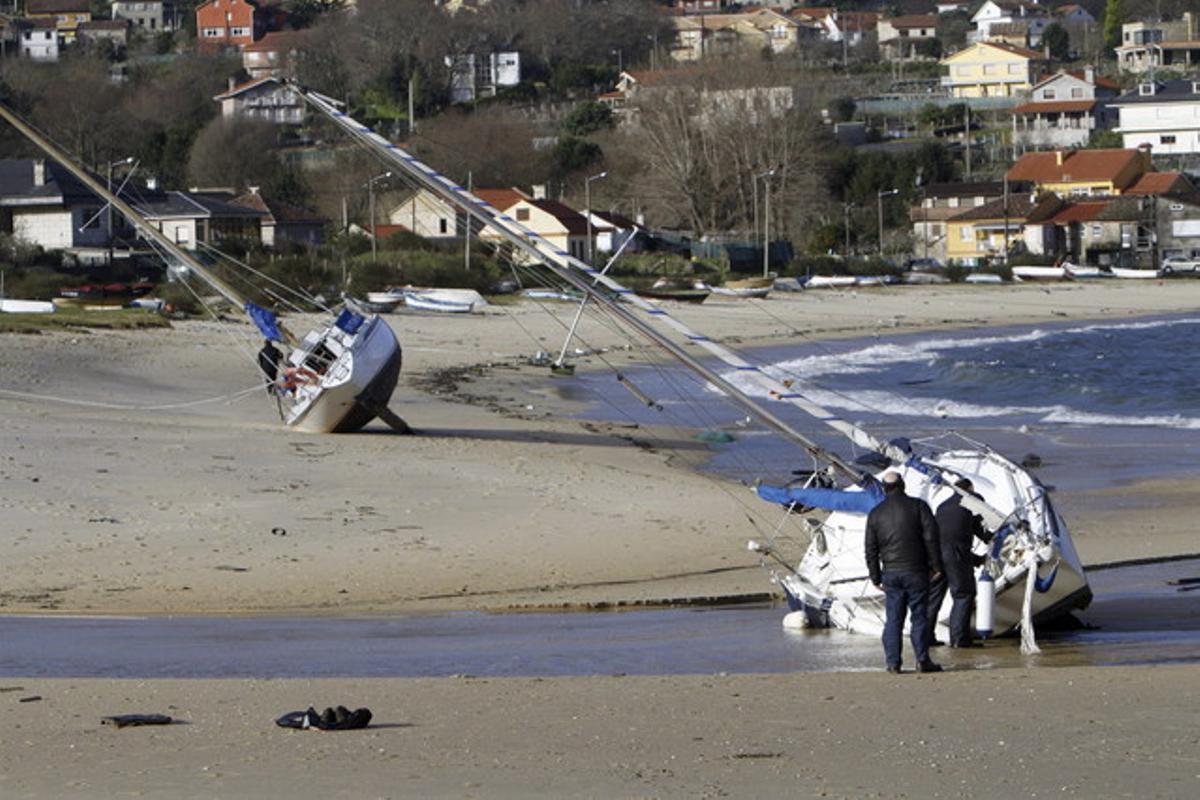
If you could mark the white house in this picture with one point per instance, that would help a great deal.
(1065, 109)
(43, 204)
(151, 16)
(193, 218)
(900, 37)
(37, 39)
(1006, 12)
(474, 76)
(1147, 45)
(426, 214)
(1162, 114)
(262, 99)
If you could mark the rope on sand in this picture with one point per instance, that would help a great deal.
(119, 407)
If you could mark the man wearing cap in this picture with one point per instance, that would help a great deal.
(903, 555)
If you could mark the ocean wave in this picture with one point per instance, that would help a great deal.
(877, 356)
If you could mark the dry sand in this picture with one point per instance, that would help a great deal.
(503, 502)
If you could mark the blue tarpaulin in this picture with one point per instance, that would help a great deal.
(266, 322)
(860, 501)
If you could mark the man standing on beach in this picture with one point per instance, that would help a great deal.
(958, 528)
(903, 554)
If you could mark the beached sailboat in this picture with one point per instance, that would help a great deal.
(341, 375)
(1032, 562)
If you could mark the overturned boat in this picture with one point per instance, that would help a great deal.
(336, 379)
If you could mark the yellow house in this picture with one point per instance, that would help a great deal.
(67, 14)
(990, 69)
(982, 233)
(1075, 173)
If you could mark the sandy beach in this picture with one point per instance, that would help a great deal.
(503, 501)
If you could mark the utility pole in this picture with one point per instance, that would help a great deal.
(766, 215)
(967, 138)
(467, 232)
(412, 113)
(1006, 220)
(846, 213)
(587, 192)
(879, 197)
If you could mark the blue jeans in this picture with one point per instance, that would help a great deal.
(905, 592)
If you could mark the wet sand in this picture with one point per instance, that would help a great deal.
(502, 502)
(1085, 733)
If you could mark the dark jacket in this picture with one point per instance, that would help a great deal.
(958, 529)
(902, 534)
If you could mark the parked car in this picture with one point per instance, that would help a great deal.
(1178, 265)
(922, 265)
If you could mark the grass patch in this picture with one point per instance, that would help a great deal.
(75, 319)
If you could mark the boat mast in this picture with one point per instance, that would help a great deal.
(585, 278)
(126, 210)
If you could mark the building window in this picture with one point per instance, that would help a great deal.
(213, 33)
(522, 215)
(1077, 92)
(239, 31)
(953, 202)
(1166, 139)
(1047, 94)
(1095, 231)
(1014, 69)
(442, 225)
(966, 233)
(989, 69)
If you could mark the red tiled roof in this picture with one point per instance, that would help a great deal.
(568, 217)
(1077, 165)
(1160, 183)
(276, 40)
(1055, 107)
(1098, 80)
(243, 87)
(913, 21)
(501, 199)
(1083, 211)
(384, 231)
(1020, 51)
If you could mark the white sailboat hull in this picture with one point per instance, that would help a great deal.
(1039, 273)
(831, 585)
(360, 380)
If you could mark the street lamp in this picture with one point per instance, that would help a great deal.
(879, 197)
(371, 203)
(766, 216)
(587, 201)
(846, 214)
(108, 207)
(620, 61)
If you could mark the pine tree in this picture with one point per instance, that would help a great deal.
(1113, 17)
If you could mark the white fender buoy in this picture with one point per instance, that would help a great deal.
(985, 605)
(794, 621)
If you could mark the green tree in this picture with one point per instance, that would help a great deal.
(587, 118)
(1113, 17)
(1056, 38)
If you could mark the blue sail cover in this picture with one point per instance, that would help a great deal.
(831, 499)
(266, 322)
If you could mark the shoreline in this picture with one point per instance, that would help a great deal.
(503, 501)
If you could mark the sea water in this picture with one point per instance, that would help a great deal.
(1098, 403)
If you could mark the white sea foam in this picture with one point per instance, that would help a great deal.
(806, 372)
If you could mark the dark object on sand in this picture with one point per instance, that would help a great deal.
(131, 720)
(31, 699)
(1031, 461)
(331, 719)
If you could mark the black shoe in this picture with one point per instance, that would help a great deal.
(966, 644)
(937, 643)
(894, 670)
(929, 666)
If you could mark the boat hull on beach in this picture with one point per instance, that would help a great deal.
(830, 584)
(351, 390)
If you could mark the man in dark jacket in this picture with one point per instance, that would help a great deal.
(959, 528)
(903, 553)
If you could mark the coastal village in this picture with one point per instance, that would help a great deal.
(599, 398)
